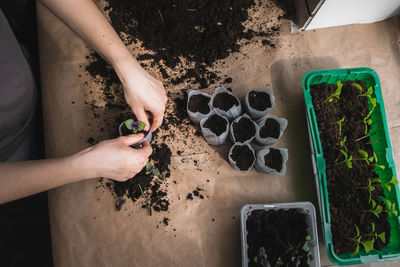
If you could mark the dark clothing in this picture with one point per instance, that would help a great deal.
(17, 92)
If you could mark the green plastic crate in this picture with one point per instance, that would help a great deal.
(383, 149)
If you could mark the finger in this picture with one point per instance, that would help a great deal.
(146, 149)
(141, 116)
(132, 139)
(157, 120)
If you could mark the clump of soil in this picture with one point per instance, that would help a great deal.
(282, 233)
(273, 159)
(225, 101)
(259, 100)
(199, 103)
(243, 130)
(347, 202)
(216, 124)
(199, 32)
(271, 128)
(243, 157)
(195, 193)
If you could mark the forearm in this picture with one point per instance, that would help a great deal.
(21, 179)
(84, 17)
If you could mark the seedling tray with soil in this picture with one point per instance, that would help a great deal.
(353, 165)
(280, 234)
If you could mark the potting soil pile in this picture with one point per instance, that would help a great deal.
(83, 104)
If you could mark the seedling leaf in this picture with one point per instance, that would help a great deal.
(363, 153)
(128, 124)
(382, 236)
(368, 245)
(358, 86)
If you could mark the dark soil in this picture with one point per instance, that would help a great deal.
(274, 159)
(347, 203)
(271, 128)
(282, 233)
(216, 124)
(243, 130)
(225, 101)
(200, 32)
(243, 157)
(199, 103)
(259, 100)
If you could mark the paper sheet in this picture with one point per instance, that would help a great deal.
(85, 227)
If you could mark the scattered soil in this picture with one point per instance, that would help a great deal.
(243, 157)
(194, 32)
(282, 233)
(347, 203)
(244, 129)
(271, 128)
(199, 103)
(225, 101)
(216, 124)
(195, 193)
(259, 100)
(274, 159)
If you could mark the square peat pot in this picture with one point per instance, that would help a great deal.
(383, 150)
(306, 208)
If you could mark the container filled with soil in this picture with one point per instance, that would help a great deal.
(242, 157)
(198, 105)
(243, 129)
(215, 129)
(280, 234)
(271, 160)
(270, 129)
(355, 172)
(258, 102)
(133, 126)
(226, 104)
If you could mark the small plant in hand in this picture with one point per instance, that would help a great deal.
(345, 114)
(135, 126)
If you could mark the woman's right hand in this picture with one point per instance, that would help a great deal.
(115, 159)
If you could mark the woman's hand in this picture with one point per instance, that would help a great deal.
(115, 159)
(142, 92)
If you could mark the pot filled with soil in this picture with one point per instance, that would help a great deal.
(243, 129)
(272, 160)
(242, 157)
(133, 126)
(354, 168)
(198, 105)
(215, 129)
(280, 234)
(226, 104)
(258, 102)
(270, 129)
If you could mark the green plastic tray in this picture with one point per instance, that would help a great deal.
(383, 150)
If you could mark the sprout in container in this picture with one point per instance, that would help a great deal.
(132, 126)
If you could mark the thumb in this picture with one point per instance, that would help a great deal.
(132, 139)
(142, 116)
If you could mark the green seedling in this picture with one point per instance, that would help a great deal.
(390, 207)
(279, 262)
(153, 170)
(358, 86)
(336, 94)
(372, 100)
(262, 257)
(357, 240)
(342, 144)
(347, 159)
(369, 188)
(375, 209)
(374, 235)
(369, 92)
(388, 185)
(369, 159)
(135, 126)
(366, 122)
(339, 122)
